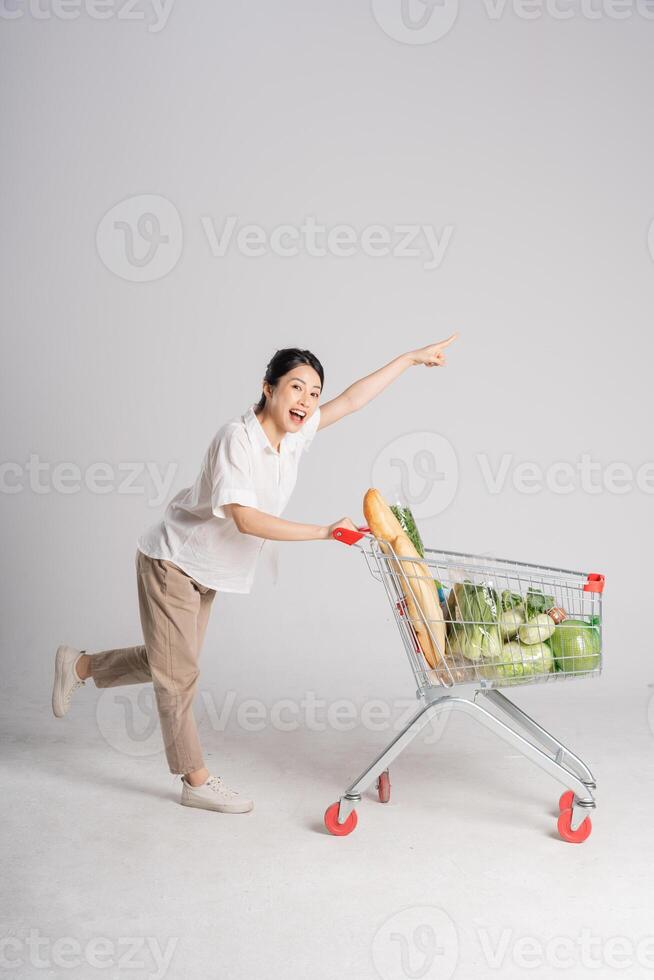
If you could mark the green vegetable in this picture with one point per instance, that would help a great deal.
(519, 661)
(471, 603)
(576, 646)
(474, 642)
(408, 525)
(473, 631)
(536, 602)
(510, 621)
(537, 630)
(510, 600)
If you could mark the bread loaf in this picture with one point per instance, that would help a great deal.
(385, 526)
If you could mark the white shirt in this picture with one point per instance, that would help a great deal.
(239, 467)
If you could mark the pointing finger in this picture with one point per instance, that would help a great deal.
(449, 340)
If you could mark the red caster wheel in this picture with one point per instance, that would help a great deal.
(336, 828)
(384, 787)
(567, 799)
(577, 836)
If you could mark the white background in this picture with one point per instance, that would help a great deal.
(530, 138)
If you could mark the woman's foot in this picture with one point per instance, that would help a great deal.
(83, 667)
(213, 794)
(196, 778)
(66, 679)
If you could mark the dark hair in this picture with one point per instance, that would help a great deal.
(285, 360)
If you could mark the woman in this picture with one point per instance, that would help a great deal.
(210, 539)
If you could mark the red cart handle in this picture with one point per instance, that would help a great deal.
(595, 583)
(350, 537)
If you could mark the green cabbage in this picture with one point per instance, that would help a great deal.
(537, 630)
(510, 622)
(518, 661)
(576, 646)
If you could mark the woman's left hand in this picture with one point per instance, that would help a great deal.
(433, 355)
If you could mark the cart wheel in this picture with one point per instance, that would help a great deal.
(336, 828)
(384, 787)
(577, 836)
(567, 799)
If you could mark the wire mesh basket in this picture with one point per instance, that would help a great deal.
(495, 622)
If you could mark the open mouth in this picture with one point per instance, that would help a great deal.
(297, 415)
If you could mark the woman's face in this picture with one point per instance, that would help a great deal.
(294, 398)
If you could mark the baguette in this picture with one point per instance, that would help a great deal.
(385, 526)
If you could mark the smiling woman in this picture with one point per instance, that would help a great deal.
(291, 389)
(210, 539)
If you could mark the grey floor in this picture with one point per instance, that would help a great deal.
(460, 875)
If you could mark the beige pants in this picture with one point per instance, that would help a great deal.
(174, 612)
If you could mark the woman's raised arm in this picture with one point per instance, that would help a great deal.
(365, 389)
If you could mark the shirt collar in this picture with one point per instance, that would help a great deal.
(256, 430)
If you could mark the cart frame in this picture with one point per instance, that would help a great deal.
(516, 727)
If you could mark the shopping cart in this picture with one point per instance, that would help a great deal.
(477, 595)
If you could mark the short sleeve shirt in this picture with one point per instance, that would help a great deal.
(240, 466)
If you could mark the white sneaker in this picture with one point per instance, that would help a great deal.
(66, 679)
(214, 795)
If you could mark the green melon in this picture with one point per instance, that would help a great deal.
(576, 646)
